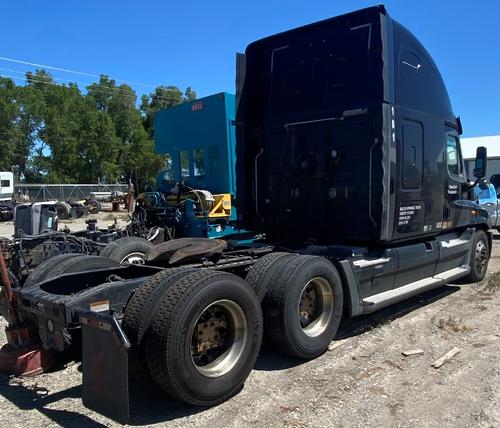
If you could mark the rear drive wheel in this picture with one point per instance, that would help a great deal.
(480, 256)
(262, 271)
(204, 337)
(139, 311)
(303, 306)
(128, 250)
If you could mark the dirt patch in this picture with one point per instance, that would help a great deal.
(104, 219)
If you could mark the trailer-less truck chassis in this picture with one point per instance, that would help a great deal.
(349, 164)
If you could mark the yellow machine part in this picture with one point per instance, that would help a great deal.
(222, 206)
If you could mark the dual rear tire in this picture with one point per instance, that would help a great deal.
(197, 333)
(303, 304)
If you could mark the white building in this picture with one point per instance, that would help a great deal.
(492, 144)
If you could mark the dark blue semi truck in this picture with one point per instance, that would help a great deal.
(348, 164)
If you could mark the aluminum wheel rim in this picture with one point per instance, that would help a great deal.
(315, 307)
(481, 256)
(136, 258)
(225, 347)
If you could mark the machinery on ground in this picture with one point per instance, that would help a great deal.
(195, 192)
(348, 165)
(37, 239)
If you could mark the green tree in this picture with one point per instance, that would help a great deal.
(76, 141)
(9, 112)
(54, 133)
(162, 97)
(19, 123)
(136, 157)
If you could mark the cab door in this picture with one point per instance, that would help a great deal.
(457, 203)
(457, 210)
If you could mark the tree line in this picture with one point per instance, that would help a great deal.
(54, 133)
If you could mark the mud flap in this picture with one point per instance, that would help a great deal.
(105, 365)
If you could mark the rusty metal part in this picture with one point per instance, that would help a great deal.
(209, 334)
(28, 360)
(22, 355)
(7, 289)
(307, 306)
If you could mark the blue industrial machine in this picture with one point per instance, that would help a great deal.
(196, 188)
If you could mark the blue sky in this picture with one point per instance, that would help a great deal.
(193, 43)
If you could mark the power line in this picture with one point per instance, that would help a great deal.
(105, 90)
(65, 70)
(61, 80)
(117, 89)
(77, 138)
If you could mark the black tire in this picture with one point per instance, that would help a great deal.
(94, 206)
(286, 308)
(169, 338)
(139, 311)
(44, 269)
(81, 263)
(127, 250)
(262, 271)
(63, 210)
(79, 209)
(479, 258)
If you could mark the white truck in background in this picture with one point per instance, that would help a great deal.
(6, 186)
(6, 195)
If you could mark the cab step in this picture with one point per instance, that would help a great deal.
(378, 301)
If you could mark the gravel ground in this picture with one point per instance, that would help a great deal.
(364, 381)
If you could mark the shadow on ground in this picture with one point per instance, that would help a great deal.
(148, 405)
(351, 327)
(36, 398)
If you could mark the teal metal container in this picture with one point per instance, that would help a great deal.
(199, 139)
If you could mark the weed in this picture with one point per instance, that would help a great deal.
(493, 282)
(452, 325)
(108, 217)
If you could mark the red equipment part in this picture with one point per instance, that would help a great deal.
(22, 355)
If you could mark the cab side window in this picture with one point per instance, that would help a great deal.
(453, 156)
